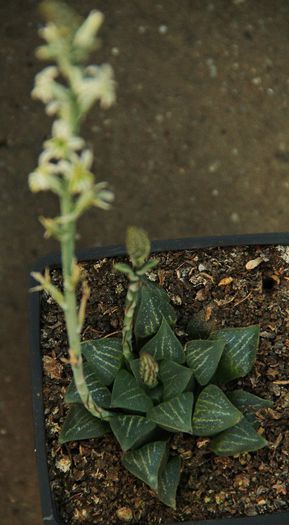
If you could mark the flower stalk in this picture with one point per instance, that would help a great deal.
(138, 247)
(64, 165)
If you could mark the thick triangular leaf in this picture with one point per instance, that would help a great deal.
(175, 378)
(214, 412)
(203, 357)
(165, 345)
(253, 420)
(240, 438)
(100, 393)
(168, 482)
(131, 431)
(174, 415)
(146, 462)
(239, 353)
(127, 393)
(105, 356)
(81, 424)
(152, 307)
(247, 402)
(134, 366)
(156, 393)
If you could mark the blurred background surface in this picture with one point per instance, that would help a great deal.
(197, 144)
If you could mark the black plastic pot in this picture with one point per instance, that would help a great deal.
(49, 510)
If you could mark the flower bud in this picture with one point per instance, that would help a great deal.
(148, 369)
(85, 35)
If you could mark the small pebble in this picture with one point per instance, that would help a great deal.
(63, 464)
(214, 166)
(163, 29)
(124, 514)
(212, 68)
(235, 218)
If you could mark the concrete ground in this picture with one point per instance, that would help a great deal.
(198, 143)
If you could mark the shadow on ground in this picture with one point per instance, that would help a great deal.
(197, 144)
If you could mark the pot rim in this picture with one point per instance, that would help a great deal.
(49, 510)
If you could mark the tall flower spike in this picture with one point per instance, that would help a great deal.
(64, 165)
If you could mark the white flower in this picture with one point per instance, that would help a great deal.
(99, 85)
(103, 197)
(62, 144)
(50, 33)
(86, 158)
(44, 84)
(44, 178)
(85, 35)
(52, 107)
(80, 178)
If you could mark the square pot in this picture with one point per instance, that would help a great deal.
(49, 508)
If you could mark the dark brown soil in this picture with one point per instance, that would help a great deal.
(89, 483)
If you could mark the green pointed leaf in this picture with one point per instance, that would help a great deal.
(81, 424)
(240, 438)
(131, 431)
(174, 415)
(127, 393)
(100, 393)
(156, 393)
(152, 307)
(168, 482)
(175, 378)
(203, 357)
(214, 412)
(146, 462)
(253, 420)
(165, 345)
(247, 402)
(239, 353)
(134, 366)
(105, 356)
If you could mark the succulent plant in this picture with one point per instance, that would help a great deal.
(147, 385)
(160, 387)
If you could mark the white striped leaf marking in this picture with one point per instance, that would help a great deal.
(130, 431)
(174, 415)
(175, 378)
(238, 439)
(100, 393)
(239, 353)
(152, 307)
(105, 356)
(146, 462)
(214, 412)
(81, 424)
(203, 357)
(165, 345)
(127, 393)
(169, 479)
